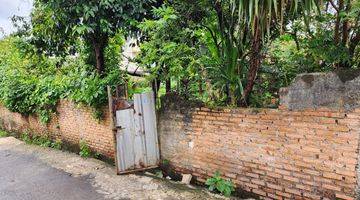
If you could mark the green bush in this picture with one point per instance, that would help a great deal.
(98, 155)
(27, 82)
(26, 138)
(85, 150)
(217, 183)
(41, 140)
(33, 84)
(3, 134)
(166, 162)
(57, 144)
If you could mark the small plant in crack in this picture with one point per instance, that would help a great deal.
(85, 150)
(41, 140)
(26, 138)
(57, 144)
(216, 183)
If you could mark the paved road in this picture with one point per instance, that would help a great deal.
(29, 172)
(23, 177)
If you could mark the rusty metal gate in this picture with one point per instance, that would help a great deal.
(136, 136)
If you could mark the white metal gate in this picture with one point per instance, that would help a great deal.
(136, 137)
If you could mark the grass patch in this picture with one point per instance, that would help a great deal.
(26, 138)
(41, 140)
(82, 148)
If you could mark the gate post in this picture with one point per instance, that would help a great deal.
(112, 124)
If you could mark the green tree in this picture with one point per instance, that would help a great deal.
(59, 23)
(169, 54)
(328, 42)
(234, 34)
(260, 18)
(341, 21)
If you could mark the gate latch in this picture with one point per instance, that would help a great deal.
(119, 127)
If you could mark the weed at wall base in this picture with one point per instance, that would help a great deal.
(57, 144)
(26, 138)
(3, 134)
(85, 150)
(41, 140)
(216, 183)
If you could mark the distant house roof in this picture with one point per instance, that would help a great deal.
(130, 50)
(133, 69)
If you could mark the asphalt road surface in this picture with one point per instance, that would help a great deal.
(23, 177)
(29, 172)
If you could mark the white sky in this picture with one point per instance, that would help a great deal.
(8, 8)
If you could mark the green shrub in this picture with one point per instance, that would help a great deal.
(3, 133)
(41, 140)
(98, 155)
(159, 174)
(57, 144)
(165, 162)
(85, 150)
(27, 82)
(88, 88)
(225, 187)
(33, 84)
(26, 138)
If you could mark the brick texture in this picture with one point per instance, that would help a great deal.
(72, 124)
(277, 154)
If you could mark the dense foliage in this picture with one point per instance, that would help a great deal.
(33, 84)
(217, 46)
(59, 23)
(242, 52)
(228, 52)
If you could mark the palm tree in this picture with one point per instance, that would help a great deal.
(253, 21)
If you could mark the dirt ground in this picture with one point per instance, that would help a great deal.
(98, 178)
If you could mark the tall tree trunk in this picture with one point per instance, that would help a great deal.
(185, 88)
(155, 84)
(338, 21)
(345, 32)
(228, 94)
(255, 62)
(345, 27)
(99, 56)
(353, 44)
(168, 85)
(168, 80)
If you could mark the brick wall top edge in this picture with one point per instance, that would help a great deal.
(253, 111)
(173, 102)
(68, 102)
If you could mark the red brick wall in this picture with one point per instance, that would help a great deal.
(72, 124)
(274, 153)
